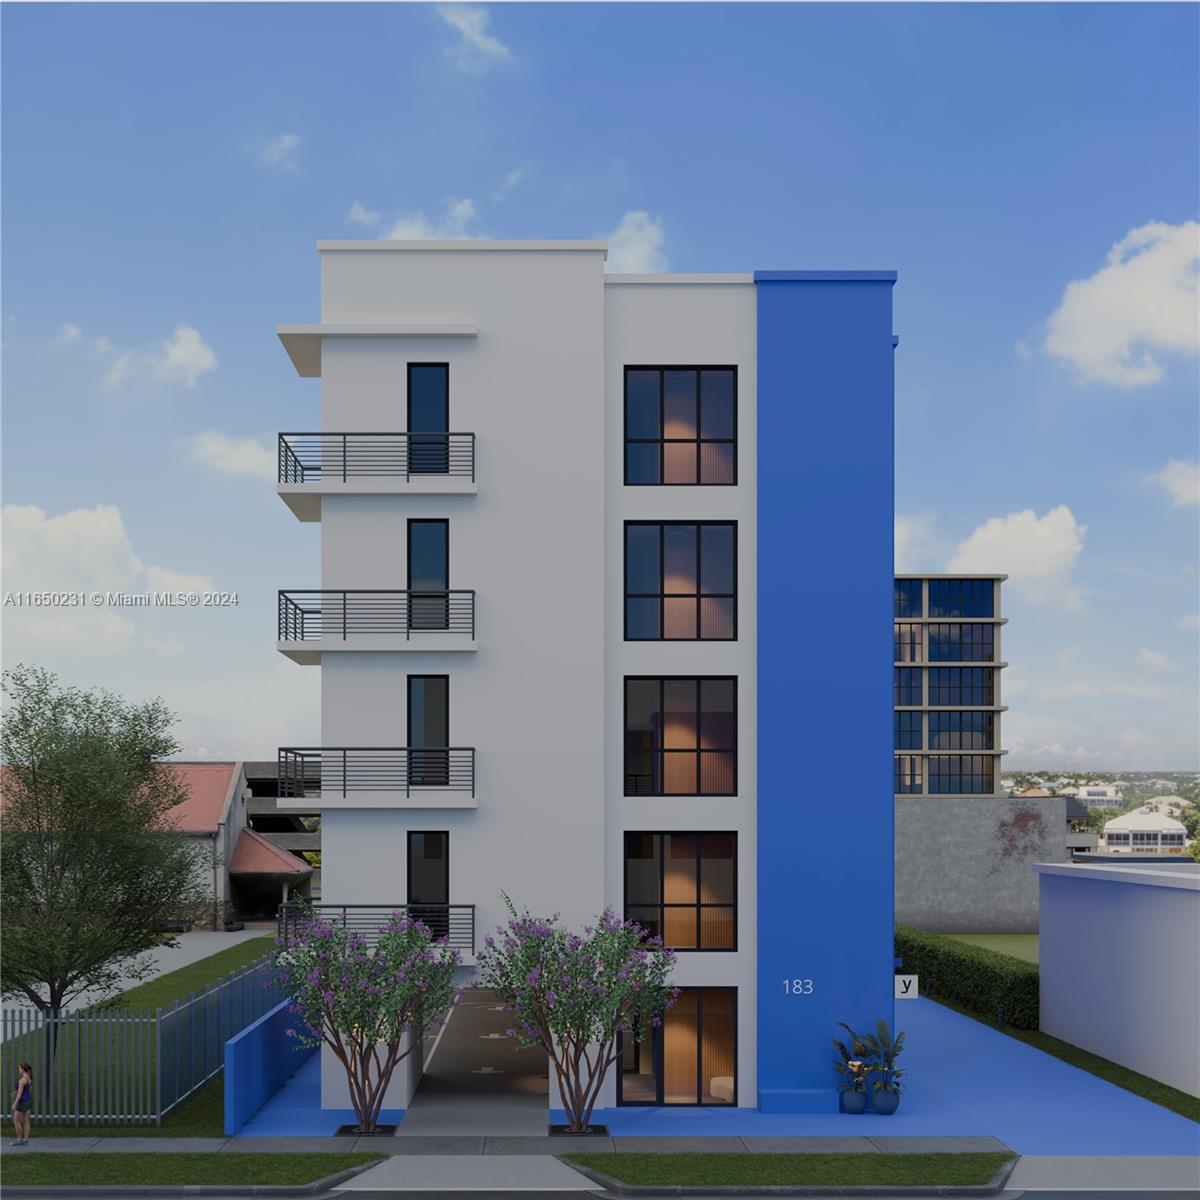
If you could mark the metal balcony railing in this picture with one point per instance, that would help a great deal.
(337, 770)
(322, 457)
(454, 922)
(374, 612)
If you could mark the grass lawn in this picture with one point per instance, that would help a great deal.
(814, 1170)
(66, 1170)
(1103, 1068)
(179, 985)
(1015, 945)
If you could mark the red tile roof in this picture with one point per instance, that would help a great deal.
(208, 784)
(254, 855)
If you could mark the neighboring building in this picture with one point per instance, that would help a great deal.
(1035, 794)
(293, 829)
(579, 536)
(1144, 831)
(1100, 795)
(1081, 837)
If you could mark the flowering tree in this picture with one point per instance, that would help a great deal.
(364, 1001)
(575, 997)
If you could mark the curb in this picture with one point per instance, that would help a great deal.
(318, 1187)
(993, 1187)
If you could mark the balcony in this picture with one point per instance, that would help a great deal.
(312, 465)
(375, 619)
(377, 777)
(454, 922)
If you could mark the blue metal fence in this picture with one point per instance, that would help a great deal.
(125, 1067)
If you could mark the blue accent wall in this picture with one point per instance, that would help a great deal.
(258, 1062)
(825, 524)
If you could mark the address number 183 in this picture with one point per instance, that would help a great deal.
(798, 987)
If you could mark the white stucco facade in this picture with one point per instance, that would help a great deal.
(537, 339)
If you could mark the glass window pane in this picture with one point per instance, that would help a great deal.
(716, 559)
(679, 618)
(642, 462)
(642, 875)
(680, 1045)
(717, 773)
(716, 618)
(679, 404)
(717, 929)
(679, 868)
(680, 713)
(718, 1039)
(716, 404)
(679, 462)
(641, 404)
(716, 462)
(679, 928)
(650, 919)
(639, 1077)
(641, 559)
(428, 397)
(717, 707)
(679, 773)
(641, 619)
(679, 551)
(716, 868)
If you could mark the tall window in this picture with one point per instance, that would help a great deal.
(908, 597)
(690, 1058)
(680, 581)
(680, 887)
(961, 643)
(960, 685)
(960, 730)
(908, 730)
(907, 637)
(908, 774)
(680, 736)
(680, 425)
(428, 418)
(960, 774)
(907, 686)
(961, 597)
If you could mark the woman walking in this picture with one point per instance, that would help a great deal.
(22, 1103)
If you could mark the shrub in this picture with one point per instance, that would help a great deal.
(997, 987)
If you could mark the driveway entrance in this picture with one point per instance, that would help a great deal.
(476, 1082)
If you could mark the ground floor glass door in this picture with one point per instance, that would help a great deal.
(429, 880)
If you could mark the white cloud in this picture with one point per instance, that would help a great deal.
(233, 455)
(1038, 554)
(1190, 622)
(460, 212)
(918, 547)
(360, 214)
(635, 246)
(279, 151)
(511, 180)
(1132, 739)
(102, 345)
(69, 332)
(477, 48)
(1152, 658)
(1115, 326)
(1182, 479)
(84, 550)
(181, 358)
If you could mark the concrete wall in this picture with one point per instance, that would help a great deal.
(1120, 975)
(963, 862)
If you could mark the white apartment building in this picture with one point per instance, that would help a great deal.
(540, 493)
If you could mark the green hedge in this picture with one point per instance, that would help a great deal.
(996, 986)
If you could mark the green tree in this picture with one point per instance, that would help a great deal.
(91, 867)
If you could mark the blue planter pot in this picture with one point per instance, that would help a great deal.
(885, 1103)
(854, 1102)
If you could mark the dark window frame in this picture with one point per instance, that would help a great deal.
(408, 395)
(907, 723)
(661, 441)
(961, 773)
(662, 596)
(662, 751)
(909, 775)
(902, 598)
(902, 686)
(697, 906)
(951, 599)
(655, 1039)
(412, 833)
(949, 723)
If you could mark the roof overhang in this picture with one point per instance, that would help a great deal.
(303, 342)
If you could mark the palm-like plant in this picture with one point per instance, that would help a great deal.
(884, 1050)
(854, 1062)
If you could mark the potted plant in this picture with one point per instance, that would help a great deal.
(854, 1065)
(885, 1049)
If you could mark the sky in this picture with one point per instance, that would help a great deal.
(1031, 171)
